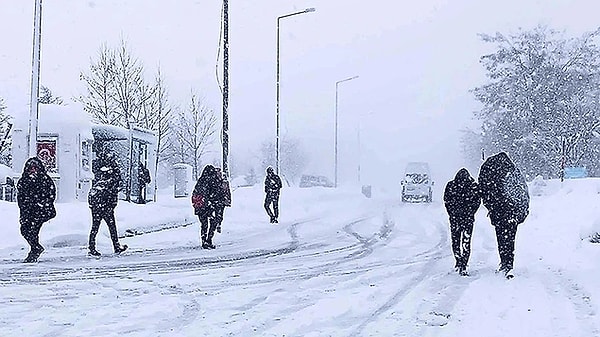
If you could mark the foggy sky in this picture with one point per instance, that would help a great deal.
(416, 60)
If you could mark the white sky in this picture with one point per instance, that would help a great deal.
(416, 62)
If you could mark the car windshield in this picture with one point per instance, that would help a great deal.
(417, 178)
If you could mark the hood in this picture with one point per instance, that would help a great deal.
(463, 176)
(34, 163)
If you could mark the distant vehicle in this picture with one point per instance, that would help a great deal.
(417, 185)
(312, 181)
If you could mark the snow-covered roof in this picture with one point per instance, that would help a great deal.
(6, 171)
(54, 118)
(112, 132)
(109, 132)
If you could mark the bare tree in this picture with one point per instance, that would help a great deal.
(47, 97)
(128, 85)
(100, 99)
(157, 112)
(192, 133)
(5, 139)
(293, 158)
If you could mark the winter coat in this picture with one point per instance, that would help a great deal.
(206, 191)
(223, 193)
(503, 190)
(105, 186)
(144, 175)
(461, 196)
(272, 183)
(36, 193)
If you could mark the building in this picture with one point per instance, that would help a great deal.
(68, 142)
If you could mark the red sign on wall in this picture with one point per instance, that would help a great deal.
(46, 152)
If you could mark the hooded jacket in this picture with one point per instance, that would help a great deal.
(272, 182)
(503, 189)
(206, 189)
(105, 186)
(461, 196)
(36, 192)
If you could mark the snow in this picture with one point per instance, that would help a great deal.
(338, 264)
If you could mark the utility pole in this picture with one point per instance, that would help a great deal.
(335, 130)
(225, 131)
(35, 78)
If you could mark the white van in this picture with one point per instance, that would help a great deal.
(417, 185)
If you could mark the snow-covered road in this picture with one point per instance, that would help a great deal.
(353, 268)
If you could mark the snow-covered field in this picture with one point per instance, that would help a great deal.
(338, 264)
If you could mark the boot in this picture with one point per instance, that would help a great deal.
(31, 257)
(208, 244)
(119, 249)
(93, 252)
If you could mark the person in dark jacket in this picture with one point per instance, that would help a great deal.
(272, 188)
(462, 200)
(505, 194)
(143, 180)
(204, 201)
(36, 193)
(103, 198)
(222, 199)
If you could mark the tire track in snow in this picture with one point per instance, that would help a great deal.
(128, 270)
(583, 306)
(430, 257)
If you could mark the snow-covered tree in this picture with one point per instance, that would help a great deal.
(47, 97)
(543, 93)
(100, 101)
(5, 139)
(292, 157)
(192, 132)
(129, 87)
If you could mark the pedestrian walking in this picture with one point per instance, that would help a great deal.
(204, 203)
(36, 193)
(505, 194)
(103, 199)
(272, 188)
(222, 199)
(462, 200)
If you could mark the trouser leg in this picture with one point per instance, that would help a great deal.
(109, 217)
(30, 230)
(96, 219)
(276, 206)
(511, 232)
(504, 246)
(212, 222)
(267, 205)
(466, 242)
(203, 218)
(455, 236)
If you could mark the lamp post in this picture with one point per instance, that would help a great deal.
(35, 79)
(336, 128)
(308, 10)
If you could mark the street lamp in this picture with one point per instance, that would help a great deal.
(308, 10)
(35, 79)
(336, 127)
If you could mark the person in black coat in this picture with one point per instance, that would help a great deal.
(222, 199)
(505, 194)
(272, 189)
(462, 200)
(204, 201)
(36, 193)
(103, 199)
(143, 180)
